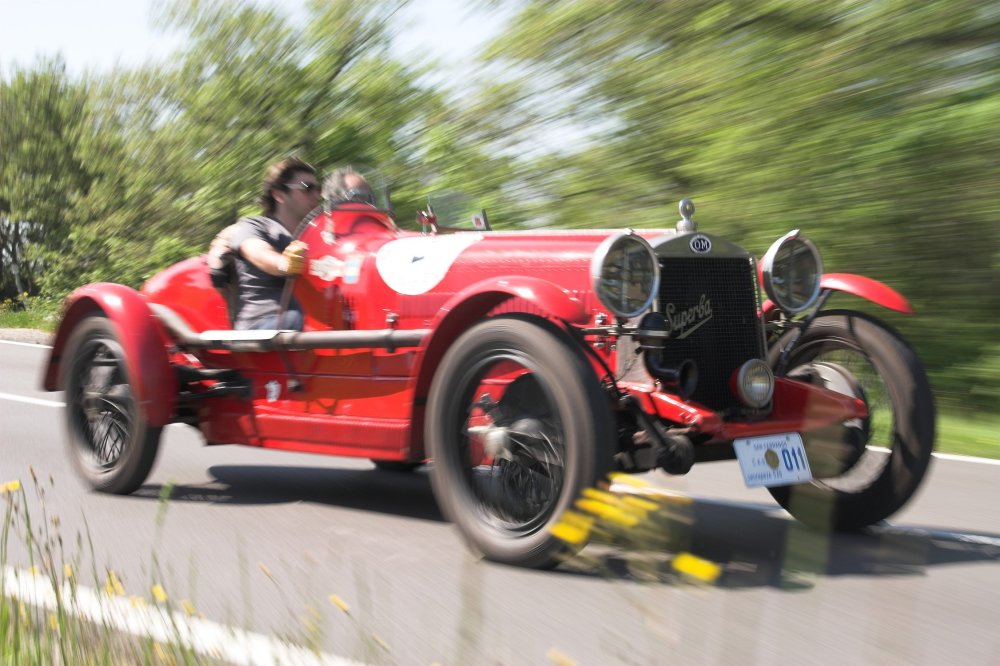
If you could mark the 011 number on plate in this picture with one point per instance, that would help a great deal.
(774, 460)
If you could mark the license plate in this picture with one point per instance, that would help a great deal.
(774, 460)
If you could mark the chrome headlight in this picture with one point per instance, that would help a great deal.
(791, 271)
(625, 273)
(754, 383)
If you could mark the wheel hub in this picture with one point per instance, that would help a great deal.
(835, 450)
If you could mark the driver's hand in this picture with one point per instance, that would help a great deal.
(293, 259)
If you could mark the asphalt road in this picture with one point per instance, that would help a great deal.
(260, 540)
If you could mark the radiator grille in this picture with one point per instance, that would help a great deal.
(712, 304)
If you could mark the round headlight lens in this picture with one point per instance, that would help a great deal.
(626, 274)
(792, 269)
(755, 383)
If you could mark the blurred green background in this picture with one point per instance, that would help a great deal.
(872, 126)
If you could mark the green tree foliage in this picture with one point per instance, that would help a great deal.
(254, 86)
(120, 228)
(42, 173)
(870, 125)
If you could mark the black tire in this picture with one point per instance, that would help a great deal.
(892, 381)
(110, 442)
(396, 465)
(550, 422)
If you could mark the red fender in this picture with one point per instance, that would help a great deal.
(470, 304)
(548, 297)
(859, 285)
(141, 337)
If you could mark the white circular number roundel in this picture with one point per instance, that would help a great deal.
(416, 265)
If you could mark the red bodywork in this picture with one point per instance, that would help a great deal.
(365, 274)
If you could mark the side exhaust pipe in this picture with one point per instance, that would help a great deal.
(652, 337)
(681, 380)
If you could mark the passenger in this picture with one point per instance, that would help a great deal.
(347, 185)
(264, 250)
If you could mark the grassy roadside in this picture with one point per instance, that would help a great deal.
(969, 435)
(40, 632)
(41, 315)
(51, 614)
(958, 432)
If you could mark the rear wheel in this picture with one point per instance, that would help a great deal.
(110, 441)
(857, 355)
(517, 427)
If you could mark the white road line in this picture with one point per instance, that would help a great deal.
(217, 641)
(25, 344)
(972, 459)
(31, 401)
(948, 456)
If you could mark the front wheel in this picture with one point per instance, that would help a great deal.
(853, 353)
(111, 444)
(517, 427)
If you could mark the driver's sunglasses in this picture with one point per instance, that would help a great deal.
(303, 185)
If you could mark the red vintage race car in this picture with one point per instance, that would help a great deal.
(526, 365)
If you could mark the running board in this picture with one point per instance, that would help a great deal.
(264, 341)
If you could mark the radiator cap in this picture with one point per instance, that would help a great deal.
(686, 225)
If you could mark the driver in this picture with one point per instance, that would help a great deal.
(265, 252)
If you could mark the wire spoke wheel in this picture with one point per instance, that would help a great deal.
(111, 443)
(517, 426)
(512, 449)
(101, 402)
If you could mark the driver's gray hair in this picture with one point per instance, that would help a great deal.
(336, 189)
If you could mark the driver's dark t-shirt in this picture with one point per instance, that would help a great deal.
(259, 292)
